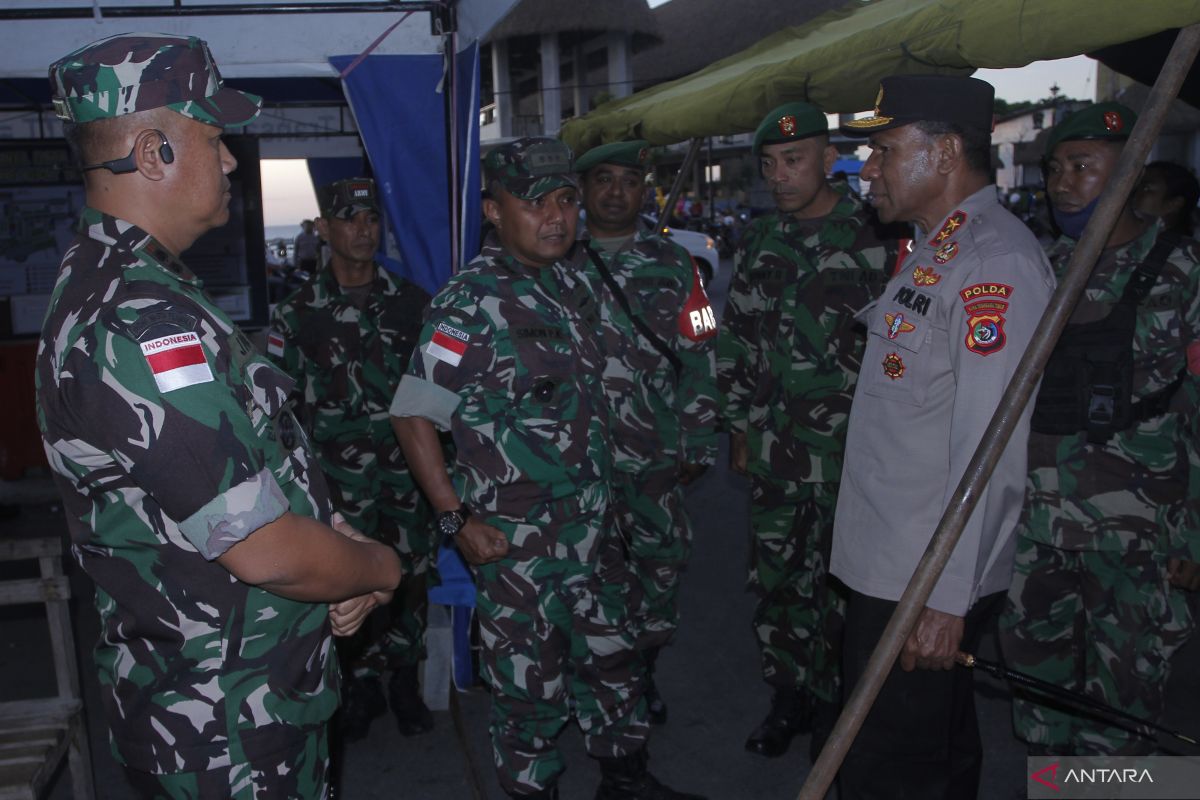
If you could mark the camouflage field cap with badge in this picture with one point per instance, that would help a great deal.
(530, 167)
(345, 198)
(133, 72)
(1110, 121)
(635, 154)
(789, 122)
(905, 99)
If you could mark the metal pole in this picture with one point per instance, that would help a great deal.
(177, 9)
(677, 187)
(1015, 397)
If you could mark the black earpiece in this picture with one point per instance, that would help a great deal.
(122, 166)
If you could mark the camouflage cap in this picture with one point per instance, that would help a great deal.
(789, 122)
(1112, 121)
(134, 72)
(345, 198)
(530, 167)
(634, 154)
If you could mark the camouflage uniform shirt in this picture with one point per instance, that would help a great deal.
(510, 363)
(347, 363)
(1141, 488)
(789, 349)
(659, 419)
(170, 442)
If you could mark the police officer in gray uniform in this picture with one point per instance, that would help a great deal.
(942, 343)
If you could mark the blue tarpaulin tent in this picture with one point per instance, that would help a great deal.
(400, 106)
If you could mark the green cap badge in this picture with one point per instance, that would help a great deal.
(1112, 121)
(789, 122)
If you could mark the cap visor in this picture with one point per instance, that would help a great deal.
(229, 108)
(868, 125)
(548, 184)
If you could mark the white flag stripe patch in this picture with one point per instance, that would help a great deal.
(443, 353)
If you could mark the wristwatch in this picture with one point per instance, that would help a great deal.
(449, 523)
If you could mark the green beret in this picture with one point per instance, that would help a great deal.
(634, 154)
(1112, 121)
(789, 122)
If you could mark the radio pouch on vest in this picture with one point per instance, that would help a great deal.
(1088, 382)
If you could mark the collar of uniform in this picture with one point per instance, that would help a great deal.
(123, 235)
(380, 284)
(980, 202)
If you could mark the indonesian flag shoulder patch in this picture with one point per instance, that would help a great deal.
(177, 361)
(448, 344)
(275, 343)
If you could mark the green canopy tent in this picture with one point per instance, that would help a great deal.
(836, 60)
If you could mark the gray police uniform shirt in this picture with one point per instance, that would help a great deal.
(943, 341)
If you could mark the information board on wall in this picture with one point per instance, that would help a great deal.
(41, 196)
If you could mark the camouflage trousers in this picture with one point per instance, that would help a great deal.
(392, 511)
(658, 535)
(800, 611)
(556, 642)
(300, 771)
(1101, 622)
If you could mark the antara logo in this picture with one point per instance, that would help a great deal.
(1040, 776)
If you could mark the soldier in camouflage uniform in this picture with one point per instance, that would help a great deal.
(346, 336)
(789, 354)
(1110, 534)
(660, 381)
(190, 492)
(510, 363)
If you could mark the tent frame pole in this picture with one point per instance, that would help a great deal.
(1016, 396)
(179, 9)
(680, 179)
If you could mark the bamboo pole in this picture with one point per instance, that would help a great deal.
(680, 179)
(1016, 396)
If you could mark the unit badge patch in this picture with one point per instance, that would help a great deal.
(953, 223)
(985, 333)
(946, 252)
(787, 125)
(896, 325)
(177, 361)
(448, 344)
(893, 365)
(1113, 121)
(925, 276)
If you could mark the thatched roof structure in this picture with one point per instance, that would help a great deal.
(537, 17)
(698, 32)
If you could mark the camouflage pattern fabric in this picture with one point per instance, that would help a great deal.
(300, 772)
(347, 362)
(1092, 507)
(510, 363)
(788, 358)
(171, 442)
(530, 167)
(556, 638)
(658, 537)
(800, 611)
(789, 349)
(1082, 620)
(659, 420)
(128, 73)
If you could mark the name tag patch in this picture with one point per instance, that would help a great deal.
(177, 361)
(448, 344)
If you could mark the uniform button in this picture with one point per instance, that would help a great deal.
(544, 390)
